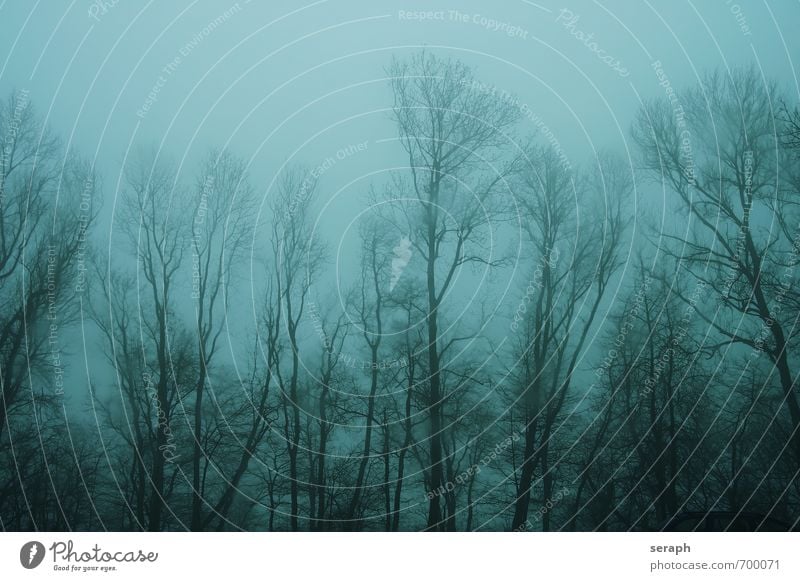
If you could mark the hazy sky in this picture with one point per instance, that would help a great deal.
(281, 81)
(288, 80)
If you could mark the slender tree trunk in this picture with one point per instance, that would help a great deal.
(197, 493)
(401, 460)
(547, 488)
(672, 449)
(435, 522)
(526, 477)
(450, 497)
(223, 506)
(323, 446)
(779, 355)
(294, 440)
(470, 505)
(157, 475)
(387, 494)
(362, 466)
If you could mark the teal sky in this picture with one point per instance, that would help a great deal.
(288, 82)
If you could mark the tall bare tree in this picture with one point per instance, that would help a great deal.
(221, 225)
(47, 206)
(153, 222)
(298, 256)
(452, 134)
(576, 250)
(721, 153)
(371, 308)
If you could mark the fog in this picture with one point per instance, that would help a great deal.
(399, 266)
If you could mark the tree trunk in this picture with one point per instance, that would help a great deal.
(435, 522)
(197, 494)
(401, 460)
(362, 466)
(526, 477)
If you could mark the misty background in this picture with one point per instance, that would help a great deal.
(274, 143)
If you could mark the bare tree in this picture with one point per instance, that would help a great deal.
(370, 306)
(720, 151)
(298, 257)
(575, 258)
(43, 230)
(648, 445)
(47, 206)
(328, 414)
(451, 134)
(153, 222)
(221, 224)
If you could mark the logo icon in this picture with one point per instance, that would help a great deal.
(402, 254)
(31, 554)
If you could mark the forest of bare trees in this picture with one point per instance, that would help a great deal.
(636, 369)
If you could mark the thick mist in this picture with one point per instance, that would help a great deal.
(353, 266)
